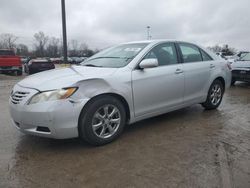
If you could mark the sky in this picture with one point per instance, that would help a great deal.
(102, 23)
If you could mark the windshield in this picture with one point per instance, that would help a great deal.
(7, 52)
(115, 57)
(245, 57)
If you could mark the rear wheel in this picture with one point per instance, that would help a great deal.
(214, 96)
(102, 121)
(19, 73)
(16, 73)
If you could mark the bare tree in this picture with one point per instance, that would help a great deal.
(85, 51)
(215, 48)
(53, 49)
(74, 49)
(228, 50)
(22, 50)
(8, 40)
(225, 49)
(40, 42)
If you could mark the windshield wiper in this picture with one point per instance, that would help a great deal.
(111, 58)
(102, 58)
(91, 65)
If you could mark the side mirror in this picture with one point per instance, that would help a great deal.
(148, 63)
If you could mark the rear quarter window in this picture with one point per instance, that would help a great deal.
(205, 56)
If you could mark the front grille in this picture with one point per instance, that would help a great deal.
(18, 96)
(43, 129)
(241, 73)
(7, 67)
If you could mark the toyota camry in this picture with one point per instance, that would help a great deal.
(118, 86)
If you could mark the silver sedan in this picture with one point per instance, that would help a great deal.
(118, 86)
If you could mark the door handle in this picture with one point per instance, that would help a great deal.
(212, 66)
(178, 71)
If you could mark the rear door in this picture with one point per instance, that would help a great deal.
(197, 66)
(160, 88)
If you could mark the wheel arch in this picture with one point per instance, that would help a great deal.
(220, 78)
(115, 95)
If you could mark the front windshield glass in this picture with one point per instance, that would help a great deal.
(246, 57)
(115, 57)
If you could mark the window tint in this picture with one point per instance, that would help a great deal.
(205, 56)
(246, 57)
(190, 53)
(164, 53)
(115, 57)
(7, 52)
(242, 54)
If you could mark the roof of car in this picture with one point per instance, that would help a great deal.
(156, 40)
(40, 60)
(5, 49)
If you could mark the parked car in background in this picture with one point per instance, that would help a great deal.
(24, 59)
(9, 62)
(56, 60)
(122, 84)
(241, 69)
(221, 54)
(76, 60)
(83, 58)
(237, 56)
(69, 60)
(241, 54)
(38, 65)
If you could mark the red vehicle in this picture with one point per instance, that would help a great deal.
(9, 62)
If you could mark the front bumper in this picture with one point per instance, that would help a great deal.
(53, 119)
(241, 75)
(10, 68)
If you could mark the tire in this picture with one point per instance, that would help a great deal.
(25, 70)
(97, 126)
(213, 102)
(29, 72)
(19, 73)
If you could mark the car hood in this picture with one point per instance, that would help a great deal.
(241, 65)
(64, 77)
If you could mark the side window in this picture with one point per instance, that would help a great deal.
(205, 56)
(164, 53)
(190, 53)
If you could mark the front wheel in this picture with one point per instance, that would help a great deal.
(214, 96)
(102, 120)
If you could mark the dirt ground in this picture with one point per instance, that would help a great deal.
(186, 148)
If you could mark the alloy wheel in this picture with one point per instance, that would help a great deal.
(216, 94)
(106, 121)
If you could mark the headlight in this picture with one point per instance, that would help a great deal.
(52, 95)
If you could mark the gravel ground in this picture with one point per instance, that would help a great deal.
(186, 148)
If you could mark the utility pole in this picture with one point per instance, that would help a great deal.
(148, 33)
(65, 51)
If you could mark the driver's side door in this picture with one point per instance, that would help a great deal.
(160, 88)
